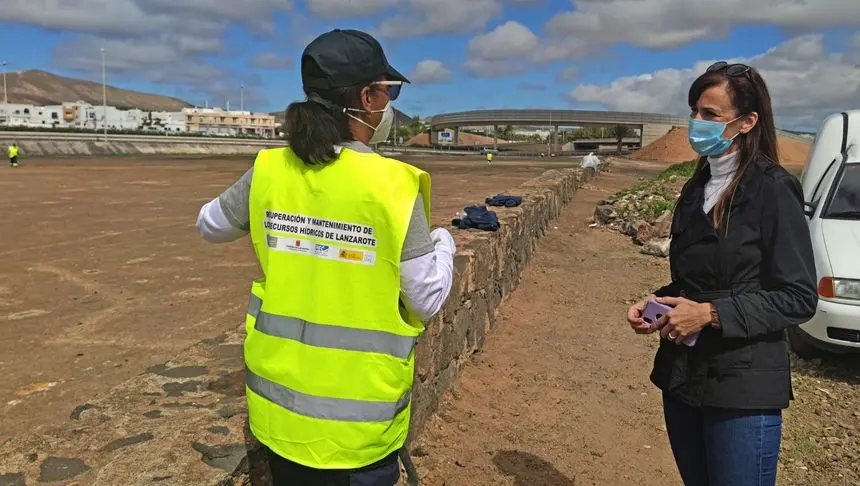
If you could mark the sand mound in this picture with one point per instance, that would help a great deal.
(465, 139)
(674, 147)
(793, 154)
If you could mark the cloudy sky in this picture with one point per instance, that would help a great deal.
(632, 55)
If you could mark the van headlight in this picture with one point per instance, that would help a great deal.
(839, 288)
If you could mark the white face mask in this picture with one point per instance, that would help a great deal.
(381, 131)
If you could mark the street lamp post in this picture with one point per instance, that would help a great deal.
(242, 98)
(5, 93)
(104, 94)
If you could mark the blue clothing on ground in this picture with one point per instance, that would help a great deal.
(505, 200)
(723, 446)
(478, 217)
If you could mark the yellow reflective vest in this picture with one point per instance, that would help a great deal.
(329, 351)
(13, 151)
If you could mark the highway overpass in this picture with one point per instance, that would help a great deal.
(651, 125)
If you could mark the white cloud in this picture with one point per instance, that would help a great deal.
(162, 41)
(330, 9)
(270, 60)
(805, 81)
(667, 24)
(430, 71)
(855, 42)
(511, 39)
(426, 17)
(486, 69)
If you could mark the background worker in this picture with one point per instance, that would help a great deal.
(489, 158)
(13, 155)
(351, 272)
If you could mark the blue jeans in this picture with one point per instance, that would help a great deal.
(724, 447)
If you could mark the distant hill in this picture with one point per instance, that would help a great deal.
(44, 88)
(400, 117)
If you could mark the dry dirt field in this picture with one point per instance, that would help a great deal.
(103, 273)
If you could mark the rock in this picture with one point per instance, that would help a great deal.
(14, 479)
(220, 430)
(80, 409)
(227, 457)
(177, 389)
(628, 228)
(604, 214)
(128, 441)
(662, 228)
(56, 469)
(657, 247)
(179, 372)
(644, 232)
(666, 216)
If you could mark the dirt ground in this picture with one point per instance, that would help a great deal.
(560, 394)
(104, 275)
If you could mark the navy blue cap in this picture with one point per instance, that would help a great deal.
(344, 58)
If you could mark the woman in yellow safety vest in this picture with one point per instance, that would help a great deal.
(351, 271)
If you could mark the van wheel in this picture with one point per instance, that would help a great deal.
(802, 344)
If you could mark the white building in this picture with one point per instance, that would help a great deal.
(81, 115)
(24, 115)
(170, 121)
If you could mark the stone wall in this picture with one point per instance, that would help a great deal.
(184, 422)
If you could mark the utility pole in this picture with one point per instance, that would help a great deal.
(242, 98)
(5, 94)
(104, 93)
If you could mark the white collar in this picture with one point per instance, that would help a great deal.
(724, 164)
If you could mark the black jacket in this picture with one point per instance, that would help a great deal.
(758, 270)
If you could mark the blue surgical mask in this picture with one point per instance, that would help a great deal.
(706, 137)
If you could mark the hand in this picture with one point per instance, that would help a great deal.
(441, 236)
(634, 317)
(686, 319)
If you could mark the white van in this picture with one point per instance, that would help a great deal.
(831, 189)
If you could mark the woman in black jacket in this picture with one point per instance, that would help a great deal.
(742, 272)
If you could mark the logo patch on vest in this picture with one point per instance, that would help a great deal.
(299, 225)
(319, 250)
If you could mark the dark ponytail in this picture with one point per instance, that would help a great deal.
(313, 128)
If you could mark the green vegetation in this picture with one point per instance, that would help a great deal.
(683, 170)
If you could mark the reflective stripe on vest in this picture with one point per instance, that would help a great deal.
(325, 408)
(326, 336)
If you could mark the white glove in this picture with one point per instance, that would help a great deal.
(441, 237)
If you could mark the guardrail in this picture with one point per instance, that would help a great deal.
(99, 137)
(546, 117)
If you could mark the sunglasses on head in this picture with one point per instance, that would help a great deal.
(731, 69)
(394, 88)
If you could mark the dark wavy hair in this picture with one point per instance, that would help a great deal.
(749, 94)
(313, 128)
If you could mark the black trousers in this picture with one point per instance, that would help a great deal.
(13, 160)
(287, 473)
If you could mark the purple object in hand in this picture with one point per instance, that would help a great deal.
(654, 311)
